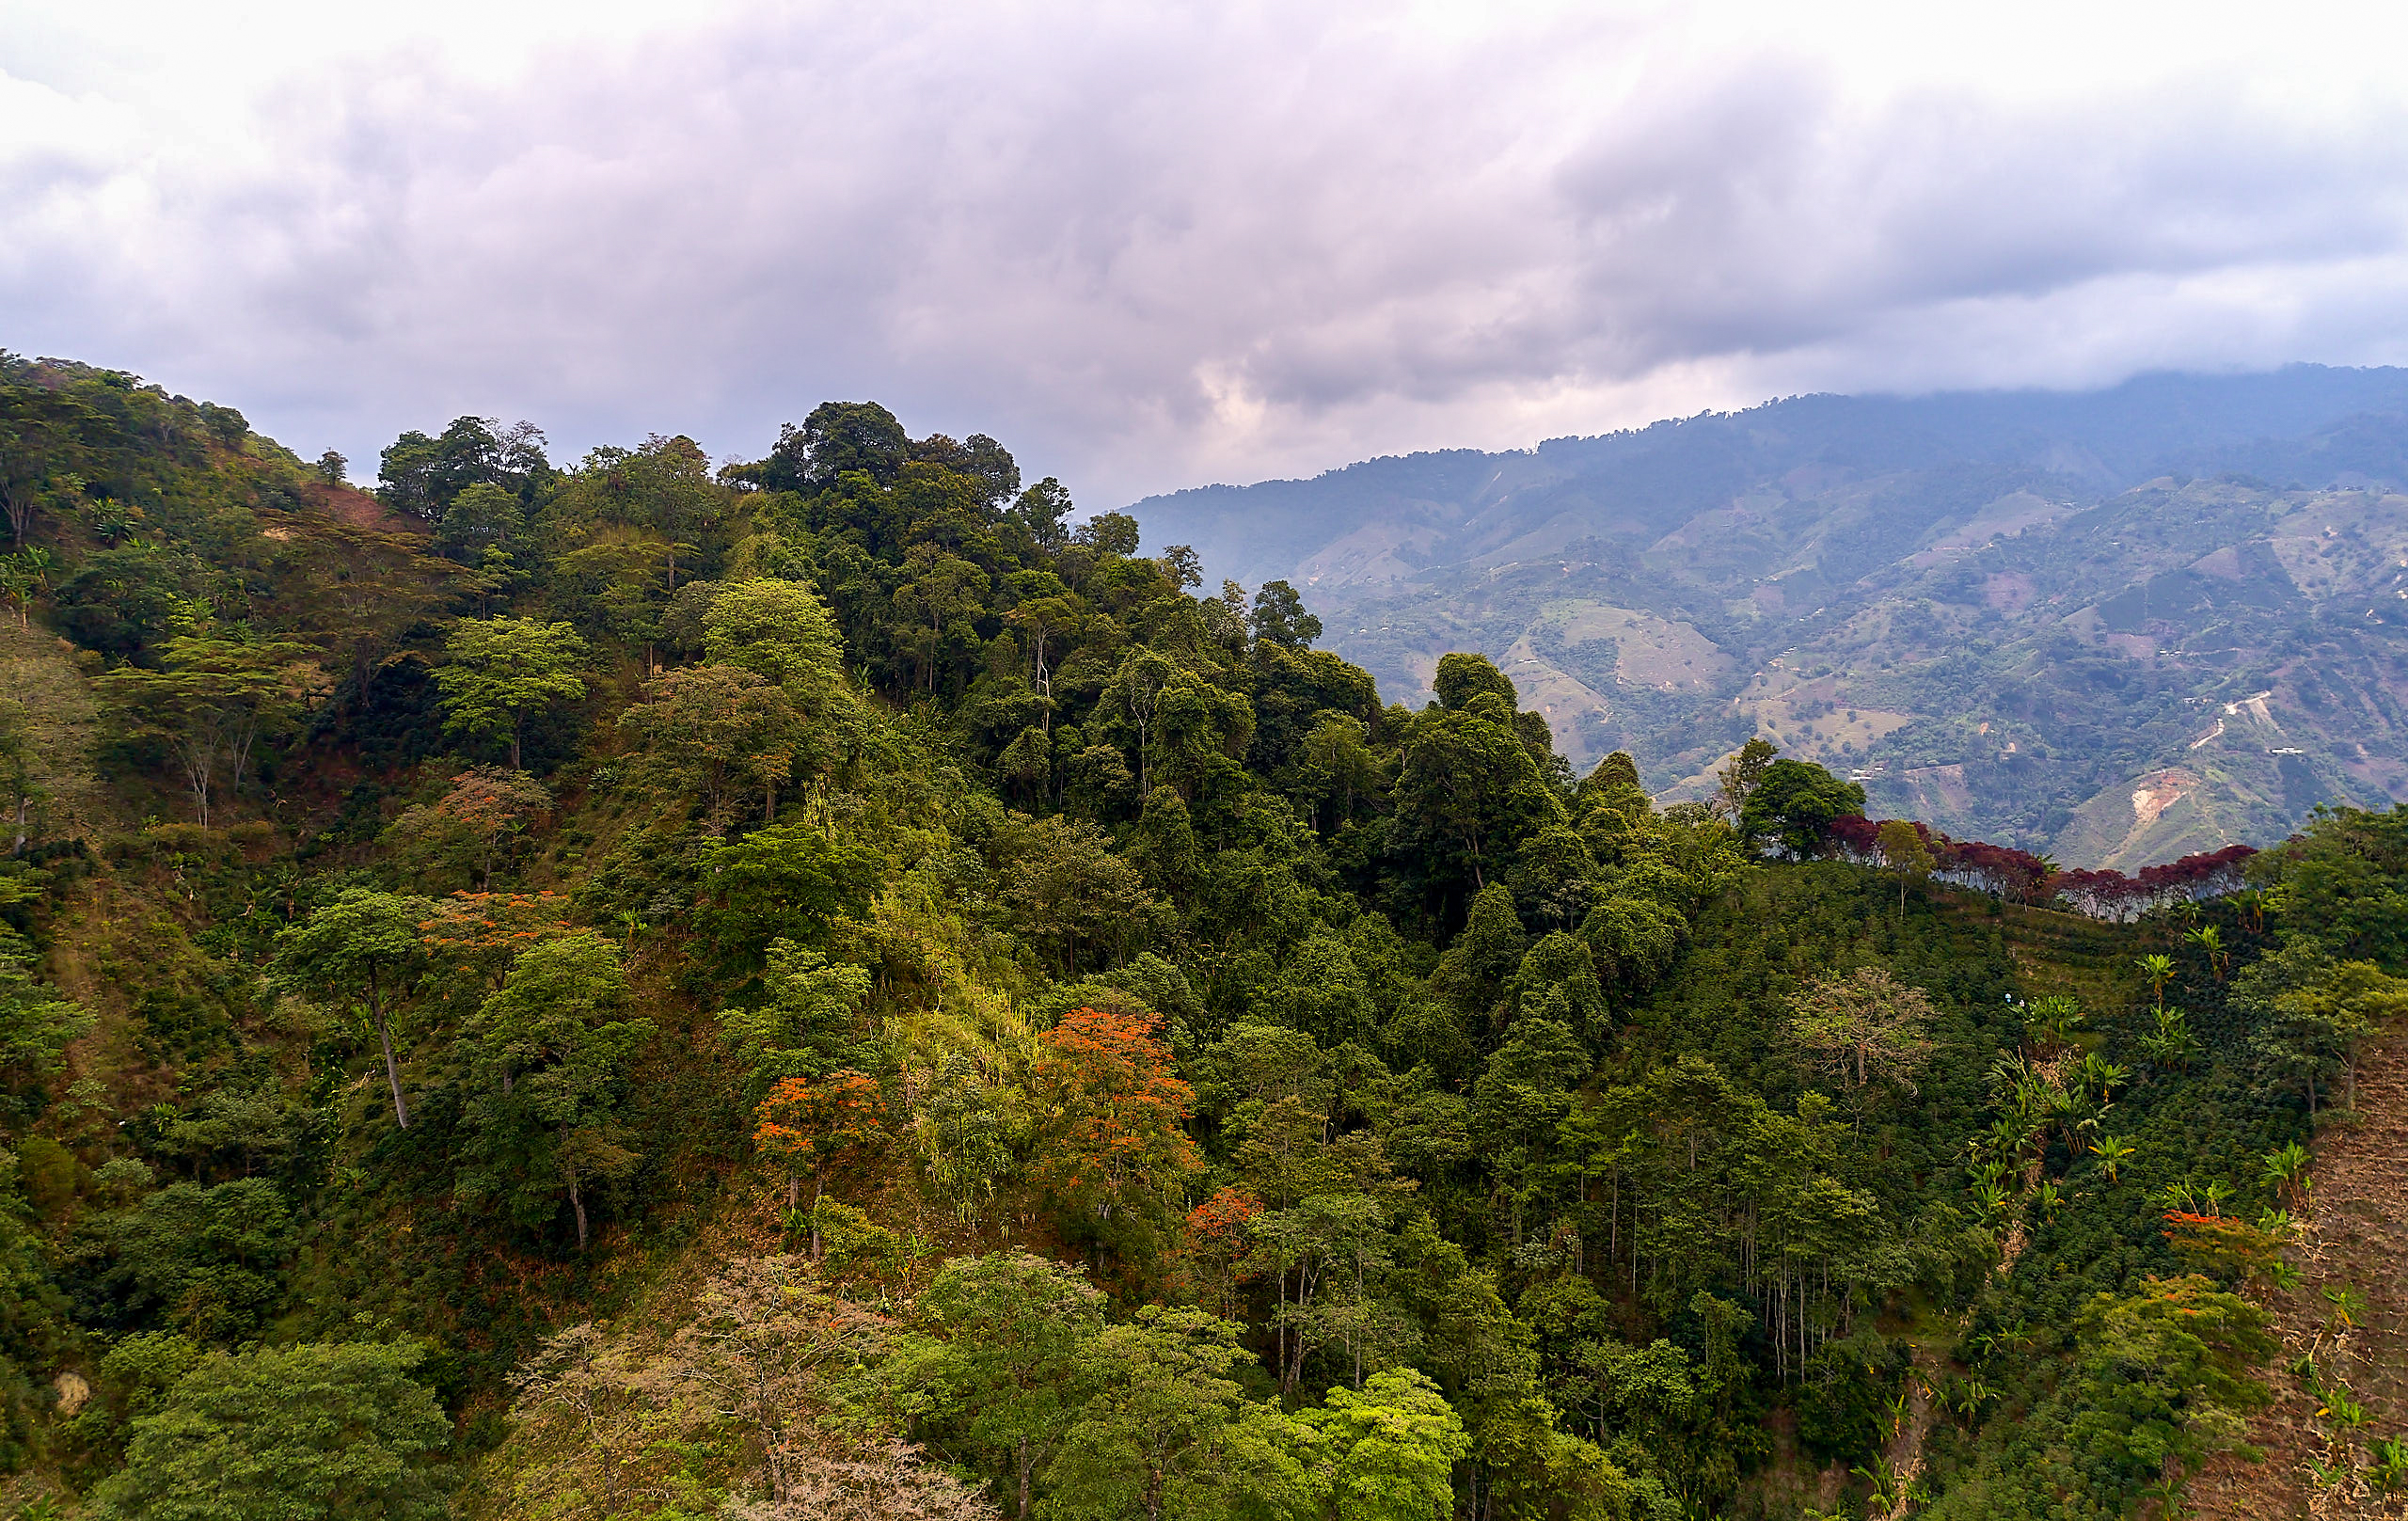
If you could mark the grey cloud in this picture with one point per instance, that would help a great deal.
(1149, 248)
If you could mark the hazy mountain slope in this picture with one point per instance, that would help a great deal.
(2012, 614)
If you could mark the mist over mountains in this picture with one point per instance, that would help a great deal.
(2115, 625)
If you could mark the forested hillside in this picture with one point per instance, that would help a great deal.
(830, 988)
(2111, 627)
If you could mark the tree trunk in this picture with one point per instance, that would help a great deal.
(518, 728)
(576, 1202)
(1024, 1466)
(392, 1067)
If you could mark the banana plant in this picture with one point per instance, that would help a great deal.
(2112, 1152)
(2159, 969)
(2388, 1463)
(2349, 1306)
(2342, 1408)
(2286, 1171)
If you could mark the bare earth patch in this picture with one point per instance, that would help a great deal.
(2354, 1241)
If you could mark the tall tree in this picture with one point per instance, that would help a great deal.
(365, 944)
(1392, 1447)
(316, 1432)
(1865, 1028)
(211, 700)
(556, 1043)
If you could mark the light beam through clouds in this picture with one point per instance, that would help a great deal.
(1152, 248)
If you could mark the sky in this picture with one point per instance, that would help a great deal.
(1151, 246)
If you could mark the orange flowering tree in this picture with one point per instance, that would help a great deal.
(480, 821)
(814, 1123)
(1216, 1243)
(482, 933)
(1112, 1143)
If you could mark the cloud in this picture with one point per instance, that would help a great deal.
(1148, 248)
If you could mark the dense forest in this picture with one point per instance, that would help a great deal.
(833, 987)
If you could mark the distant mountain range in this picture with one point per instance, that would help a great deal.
(2114, 625)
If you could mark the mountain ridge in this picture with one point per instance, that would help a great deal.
(1921, 555)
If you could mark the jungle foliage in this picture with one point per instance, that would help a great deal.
(1107, 1061)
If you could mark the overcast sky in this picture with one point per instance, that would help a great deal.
(1150, 247)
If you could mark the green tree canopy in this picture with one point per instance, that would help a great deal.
(365, 944)
(1793, 803)
(499, 670)
(555, 1044)
(342, 1432)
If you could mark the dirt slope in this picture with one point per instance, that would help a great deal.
(2355, 1243)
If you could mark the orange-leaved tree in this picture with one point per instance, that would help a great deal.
(1112, 1140)
(1216, 1243)
(807, 1123)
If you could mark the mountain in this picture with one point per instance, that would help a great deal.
(2114, 625)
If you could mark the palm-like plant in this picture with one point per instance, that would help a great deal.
(2159, 969)
(2171, 1043)
(2112, 1152)
(2286, 1171)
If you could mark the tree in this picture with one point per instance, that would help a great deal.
(421, 477)
(36, 1024)
(1794, 803)
(1279, 617)
(594, 1386)
(790, 881)
(1460, 678)
(1863, 1029)
(1468, 781)
(882, 1480)
(1136, 692)
(1392, 1447)
(1903, 852)
(995, 1368)
(365, 944)
(210, 701)
(836, 438)
(763, 1332)
(1740, 776)
(2166, 1373)
(1113, 1140)
(333, 468)
(41, 443)
(1062, 886)
(499, 670)
(713, 728)
(484, 517)
(1168, 1433)
(333, 1430)
(23, 576)
(555, 1042)
(17, 788)
(781, 632)
(803, 1027)
(802, 1122)
(487, 807)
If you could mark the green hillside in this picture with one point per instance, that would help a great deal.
(818, 988)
